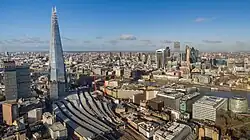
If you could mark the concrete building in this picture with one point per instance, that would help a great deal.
(170, 98)
(174, 131)
(48, 118)
(127, 73)
(150, 94)
(35, 115)
(206, 107)
(58, 131)
(206, 132)
(148, 128)
(10, 112)
(127, 94)
(137, 98)
(187, 101)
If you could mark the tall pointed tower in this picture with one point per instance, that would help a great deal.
(57, 67)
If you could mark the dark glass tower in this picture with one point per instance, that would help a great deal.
(57, 67)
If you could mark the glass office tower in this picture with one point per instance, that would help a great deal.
(57, 67)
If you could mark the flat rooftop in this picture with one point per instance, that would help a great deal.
(148, 126)
(190, 96)
(57, 126)
(171, 130)
(170, 93)
(210, 100)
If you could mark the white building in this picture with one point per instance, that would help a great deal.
(148, 128)
(48, 118)
(206, 107)
(35, 115)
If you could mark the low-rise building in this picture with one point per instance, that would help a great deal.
(174, 131)
(58, 131)
(148, 128)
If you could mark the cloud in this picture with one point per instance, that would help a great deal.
(212, 41)
(202, 19)
(146, 41)
(113, 42)
(87, 41)
(166, 41)
(99, 37)
(1, 42)
(27, 40)
(127, 37)
(67, 39)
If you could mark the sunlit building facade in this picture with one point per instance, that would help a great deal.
(57, 67)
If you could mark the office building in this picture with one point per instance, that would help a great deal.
(57, 66)
(186, 103)
(171, 99)
(206, 107)
(10, 112)
(194, 54)
(188, 55)
(16, 80)
(160, 58)
(10, 80)
(23, 81)
(238, 104)
(167, 52)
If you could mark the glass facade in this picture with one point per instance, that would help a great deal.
(57, 67)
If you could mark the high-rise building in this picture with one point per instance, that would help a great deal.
(168, 53)
(57, 66)
(16, 80)
(188, 55)
(160, 58)
(10, 80)
(23, 81)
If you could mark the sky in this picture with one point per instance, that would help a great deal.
(126, 25)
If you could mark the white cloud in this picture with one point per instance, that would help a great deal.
(127, 37)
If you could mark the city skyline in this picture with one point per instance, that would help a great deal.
(126, 26)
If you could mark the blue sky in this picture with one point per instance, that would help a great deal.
(215, 25)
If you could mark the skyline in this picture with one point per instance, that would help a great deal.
(108, 25)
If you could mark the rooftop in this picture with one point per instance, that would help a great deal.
(170, 93)
(210, 100)
(148, 126)
(171, 130)
(190, 96)
(57, 126)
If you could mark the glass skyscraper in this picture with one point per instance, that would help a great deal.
(57, 67)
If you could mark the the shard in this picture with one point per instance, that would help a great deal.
(57, 67)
